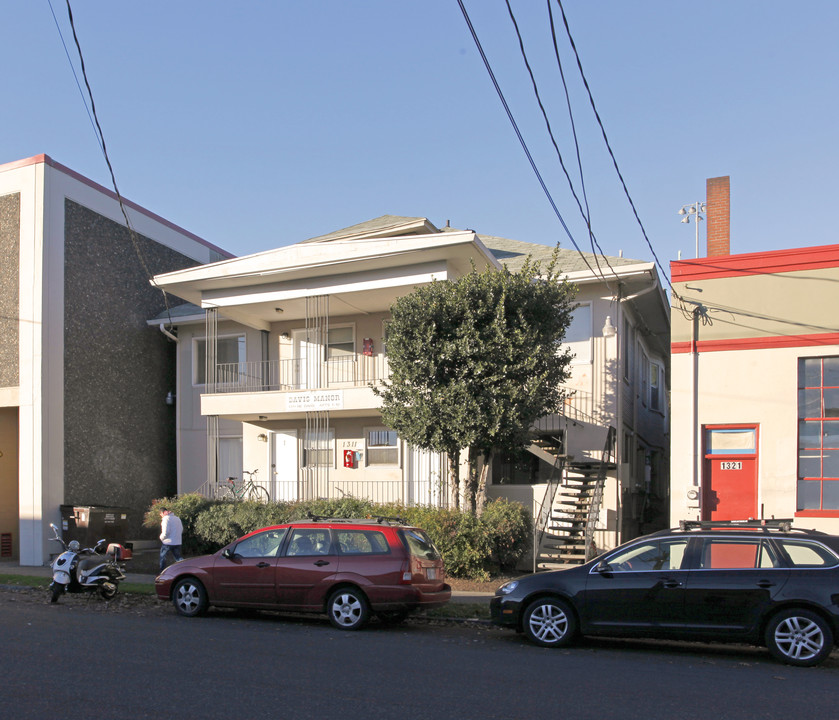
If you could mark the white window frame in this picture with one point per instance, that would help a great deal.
(328, 447)
(368, 447)
(644, 377)
(657, 369)
(198, 368)
(327, 345)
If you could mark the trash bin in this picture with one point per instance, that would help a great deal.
(90, 523)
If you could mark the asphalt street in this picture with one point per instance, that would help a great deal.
(80, 660)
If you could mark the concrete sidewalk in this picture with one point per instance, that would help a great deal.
(8, 567)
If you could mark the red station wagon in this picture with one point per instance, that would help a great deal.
(345, 568)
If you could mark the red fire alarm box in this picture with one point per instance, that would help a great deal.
(349, 458)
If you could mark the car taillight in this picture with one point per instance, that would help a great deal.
(407, 575)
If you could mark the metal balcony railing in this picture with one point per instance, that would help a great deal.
(301, 374)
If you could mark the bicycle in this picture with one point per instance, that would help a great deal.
(246, 490)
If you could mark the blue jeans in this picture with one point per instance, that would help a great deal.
(164, 551)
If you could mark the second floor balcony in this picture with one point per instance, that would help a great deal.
(346, 372)
(300, 374)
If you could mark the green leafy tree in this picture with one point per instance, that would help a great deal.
(476, 361)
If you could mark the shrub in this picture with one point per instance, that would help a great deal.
(509, 529)
(471, 547)
(188, 507)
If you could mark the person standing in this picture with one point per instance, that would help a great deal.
(171, 535)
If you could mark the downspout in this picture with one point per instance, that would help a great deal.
(168, 333)
(619, 419)
(694, 377)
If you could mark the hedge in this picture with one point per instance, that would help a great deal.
(472, 547)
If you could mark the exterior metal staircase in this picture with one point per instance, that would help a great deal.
(564, 532)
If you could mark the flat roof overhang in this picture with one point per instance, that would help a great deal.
(359, 276)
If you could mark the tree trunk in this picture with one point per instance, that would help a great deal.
(481, 490)
(454, 476)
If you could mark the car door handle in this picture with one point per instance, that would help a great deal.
(765, 584)
(263, 564)
(321, 563)
(672, 584)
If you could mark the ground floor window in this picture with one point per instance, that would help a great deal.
(382, 446)
(818, 434)
(319, 449)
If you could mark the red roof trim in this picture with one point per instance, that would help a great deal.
(759, 263)
(47, 160)
(761, 343)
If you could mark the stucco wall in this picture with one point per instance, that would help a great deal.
(9, 288)
(119, 435)
(751, 386)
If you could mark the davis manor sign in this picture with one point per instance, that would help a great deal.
(315, 400)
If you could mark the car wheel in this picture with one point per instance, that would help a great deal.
(799, 637)
(189, 597)
(347, 609)
(549, 622)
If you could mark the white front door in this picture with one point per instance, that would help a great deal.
(285, 465)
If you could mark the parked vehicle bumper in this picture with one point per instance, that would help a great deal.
(504, 611)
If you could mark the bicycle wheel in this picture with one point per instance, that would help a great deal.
(225, 493)
(258, 493)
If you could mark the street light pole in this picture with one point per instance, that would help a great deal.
(694, 210)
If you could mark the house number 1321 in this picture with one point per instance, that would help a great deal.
(731, 465)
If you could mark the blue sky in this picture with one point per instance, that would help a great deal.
(259, 124)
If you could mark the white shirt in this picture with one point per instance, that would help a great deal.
(171, 529)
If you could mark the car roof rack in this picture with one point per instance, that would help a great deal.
(781, 524)
(369, 519)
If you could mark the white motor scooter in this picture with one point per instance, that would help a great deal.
(78, 569)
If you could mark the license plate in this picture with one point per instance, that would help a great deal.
(431, 573)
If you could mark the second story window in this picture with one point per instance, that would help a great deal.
(340, 343)
(655, 386)
(230, 350)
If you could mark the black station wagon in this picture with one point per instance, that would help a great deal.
(756, 582)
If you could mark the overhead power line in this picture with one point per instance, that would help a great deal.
(608, 145)
(519, 135)
(595, 246)
(101, 136)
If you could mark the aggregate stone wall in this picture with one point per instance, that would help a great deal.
(119, 432)
(9, 289)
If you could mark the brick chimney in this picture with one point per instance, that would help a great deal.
(717, 193)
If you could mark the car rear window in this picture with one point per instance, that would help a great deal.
(418, 544)
(805, 554)
(737, 554)
(362, 542)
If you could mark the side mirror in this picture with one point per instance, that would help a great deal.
(228, 553)
(603, 567)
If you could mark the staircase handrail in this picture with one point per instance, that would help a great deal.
(597, 497)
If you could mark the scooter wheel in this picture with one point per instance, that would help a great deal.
(57, 590)
(107, 590)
